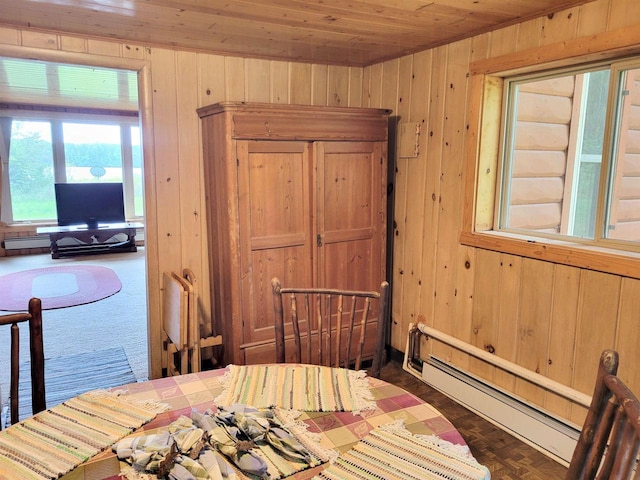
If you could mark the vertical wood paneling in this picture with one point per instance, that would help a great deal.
(258, 76)
(628, 334)
(190, 168)
(486, 311)
(167, 176)
(450, 262)
(530, 34)
(211, 82)
(366, 87)
(337, 86)
(390, 86)
(534, 313)
(279, 82)
(502, 40)
(560, 26)
(562, 331)
(384, 94)
(623, 13)
(374, 85)
(509, 286)
(300, 84)
(464, 297)
(234, 79)
(536, 289)
(597, 310)
(258, 80)
(433, 156)
(319, 84)
(403, 270)
(415, 212)
(593, 16)
(355, 87)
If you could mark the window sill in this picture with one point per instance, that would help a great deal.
(605, 260)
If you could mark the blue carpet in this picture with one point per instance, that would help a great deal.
(70, 375)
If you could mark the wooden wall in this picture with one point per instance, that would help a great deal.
(175, 84)
(550, 318)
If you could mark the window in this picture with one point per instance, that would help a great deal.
(66, 123)
(73, 150)
(571, 155)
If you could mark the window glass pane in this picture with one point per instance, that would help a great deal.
(91, 82)
(25, 75)
(623, 216)
(93, 152)
(554, 154)
(138, 188)
(590, 126)
(31, 175)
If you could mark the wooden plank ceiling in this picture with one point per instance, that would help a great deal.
(338, 32)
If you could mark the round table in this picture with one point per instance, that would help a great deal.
(337, 430)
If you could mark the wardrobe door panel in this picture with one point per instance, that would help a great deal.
(351, 218)
(275, 226)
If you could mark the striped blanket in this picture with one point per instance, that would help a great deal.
(391, 451)
(308, 388)
(55, 441)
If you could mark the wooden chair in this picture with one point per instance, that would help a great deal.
(175, 323)
(610, 439)
(198, 338)
(329, 315)
(182, 331)
(34, 319)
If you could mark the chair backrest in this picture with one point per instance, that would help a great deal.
(36, 346)
(610, 439)
(332, 325)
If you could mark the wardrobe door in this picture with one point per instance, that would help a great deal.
(274, 232)
(351, 214)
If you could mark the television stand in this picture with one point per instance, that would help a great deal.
(91, 240)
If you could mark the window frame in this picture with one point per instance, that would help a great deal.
(482, 151)
(609, 153)
(125, 120)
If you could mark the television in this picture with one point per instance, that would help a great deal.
(89, 204)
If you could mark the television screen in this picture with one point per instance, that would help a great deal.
(89, 203)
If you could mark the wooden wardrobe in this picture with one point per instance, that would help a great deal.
(297, 192)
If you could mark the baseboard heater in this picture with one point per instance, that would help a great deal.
(20, 243)
(542, 430)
